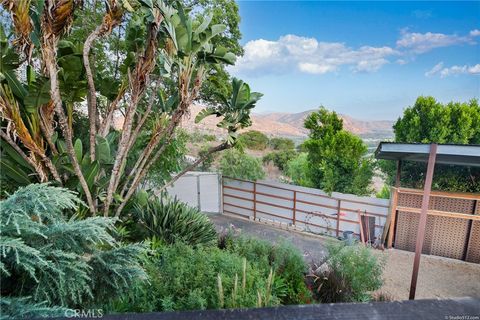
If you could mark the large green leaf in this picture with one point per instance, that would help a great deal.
(38, 94)
(17, 88)
(205, 23)
(90, 172)
(14, 156)
(78, 149)
(102, 150)
(205, 113)
(13, 171)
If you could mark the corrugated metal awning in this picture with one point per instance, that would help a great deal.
(454, 154)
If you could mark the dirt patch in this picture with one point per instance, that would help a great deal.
(438, 277)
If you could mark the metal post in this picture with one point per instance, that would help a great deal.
(423, 219)
(199, 202)
(220, 193)
(339, 206)
(254, 201)
(294, 206)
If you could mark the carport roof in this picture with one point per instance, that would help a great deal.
(454, 154)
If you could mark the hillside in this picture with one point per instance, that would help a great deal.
(290, 124)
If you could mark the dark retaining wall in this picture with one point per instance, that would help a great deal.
(452, 309)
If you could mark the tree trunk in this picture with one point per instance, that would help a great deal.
(132, 189)
(107, 121)
(91, 98)
(138, 83)
(197, 162)
(49, 57)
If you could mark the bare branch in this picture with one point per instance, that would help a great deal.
(107, 121)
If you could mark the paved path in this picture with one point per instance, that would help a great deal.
(311, 246)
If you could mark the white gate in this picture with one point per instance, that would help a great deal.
(198, 189)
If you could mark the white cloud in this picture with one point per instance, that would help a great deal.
(315, 68)
(453, 70)
(436, 69)
(308, 55)
(424, 42)
(291, 52)
(475, 33)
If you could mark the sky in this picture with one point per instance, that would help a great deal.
(369, 60)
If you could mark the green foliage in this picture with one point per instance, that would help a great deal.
(253, 140)
(224, 12)
(183, 278)
(188, 47)
(235, 109)
(431, 121)
(337, 159)
(171, 161)
(298, 170)
(58, 261)
(384, 193)
(284, 259)
(23, 308)
(280, 158)
(171, 221)
(199, 137)
(279, 143)
(208, 162)
(350, 274)
(239, 165)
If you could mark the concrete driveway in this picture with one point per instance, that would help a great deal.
(311, 246)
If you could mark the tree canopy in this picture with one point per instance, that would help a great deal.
(254, 140)
(430, 121)
(134, 68)
(337, 159)
(237, 164)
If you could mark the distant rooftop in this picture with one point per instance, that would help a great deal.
(454, 154)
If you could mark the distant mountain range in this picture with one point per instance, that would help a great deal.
(291, 124)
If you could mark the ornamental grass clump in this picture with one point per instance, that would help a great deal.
(285, 260)
(187, 278)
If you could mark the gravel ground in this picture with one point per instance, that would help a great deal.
(438, 277)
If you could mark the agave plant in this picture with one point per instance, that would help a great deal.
(172, 220)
